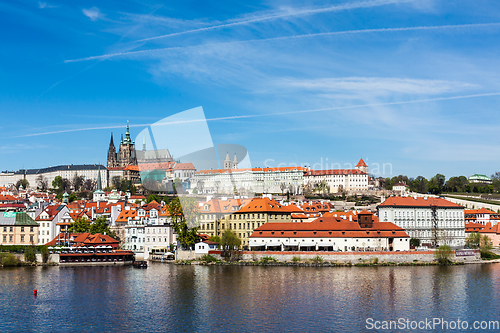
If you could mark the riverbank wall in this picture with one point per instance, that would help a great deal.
(350, 257)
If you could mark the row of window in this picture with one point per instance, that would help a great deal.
(11, 238)
(11, 229)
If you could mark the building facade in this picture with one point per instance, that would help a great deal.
(336, 232)
(338, 180)
(434, 221)
(17, 228)
(88, 171)
(249, 181)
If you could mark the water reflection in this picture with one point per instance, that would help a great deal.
(208, 298)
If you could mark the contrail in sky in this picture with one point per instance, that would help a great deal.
(267, 114)
(348, 6)
(334, 33)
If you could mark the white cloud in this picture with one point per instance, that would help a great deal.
(378, 85)
(92, 13)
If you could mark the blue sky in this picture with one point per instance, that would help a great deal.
(413, 84)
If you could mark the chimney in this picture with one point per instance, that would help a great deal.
(350, 218)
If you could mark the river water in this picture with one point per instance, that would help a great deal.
(166, 297)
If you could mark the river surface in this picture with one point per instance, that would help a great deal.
(166, 297)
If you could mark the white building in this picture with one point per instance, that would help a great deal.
(339, 179)
(203, 247)
(48, 220)
(48, 174)
(418, 216)
(359, 232)
(401, 188)
(158, 237)
(249, 181)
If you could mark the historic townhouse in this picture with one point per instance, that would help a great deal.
(17, 228)
(432, 220)
(48, 221)
(216, 209)
(253, 215)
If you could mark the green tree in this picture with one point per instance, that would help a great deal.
(24, 182)
(44, 251)
(436, 184)
(30, 254)
(214, 238)
(472, 241)
(72, 197)
(419, 185)
(415, 242)
(444, 254)
(484, 244)
(80, 225)
(153, 197)
(186, 235)
(229, 244)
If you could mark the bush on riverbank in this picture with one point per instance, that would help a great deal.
(9, 260)
(444, 254)
(207, 258)
(487, 255)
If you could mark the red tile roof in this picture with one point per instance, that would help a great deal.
(278, 169)
(184, 166)
(334, 172)
(84, 239)
(479, 211)
(473, 227)
(334, 227)
(418, 202)
(361, 163)
(261, 205)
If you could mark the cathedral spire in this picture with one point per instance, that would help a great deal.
(127, 135)
(144, 143)
(111, 143)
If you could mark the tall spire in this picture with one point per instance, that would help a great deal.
(128, 140)
(235, 162)
(227, 162)
(99, 182)
(144, 143)
(111, 143)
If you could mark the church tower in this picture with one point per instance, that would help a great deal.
(227, 162)
(361, 166)
(235, 162)
(112, 162)
(127, 154)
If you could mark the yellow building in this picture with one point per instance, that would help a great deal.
(252, 215)
(17, 228)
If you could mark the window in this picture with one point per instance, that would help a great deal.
(11, 229)
(22, 238)
(10, 238)
(22, 229)
(31, 229)
(31, 238)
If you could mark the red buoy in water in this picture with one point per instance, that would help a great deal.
(35, 292)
